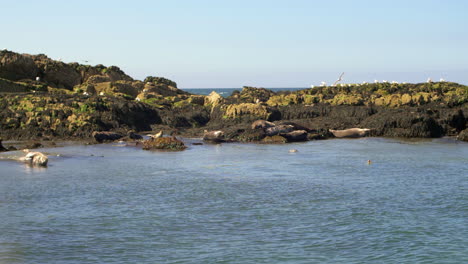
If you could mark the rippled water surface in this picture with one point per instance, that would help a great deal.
(240, 203)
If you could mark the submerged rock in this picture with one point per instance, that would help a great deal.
(2, 148)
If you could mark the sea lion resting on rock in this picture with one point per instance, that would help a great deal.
(350, 133)
(35, 158)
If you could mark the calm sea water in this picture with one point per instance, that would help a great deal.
(240, 203)
(225, 92)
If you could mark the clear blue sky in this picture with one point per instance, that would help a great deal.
(210, 44)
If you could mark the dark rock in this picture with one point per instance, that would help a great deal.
(102, 136)
(15, 67)
(164, 143)
(295, 136)
(134, 136)
(403, 123)
(197, 144)
(2, 148)
(250, 135)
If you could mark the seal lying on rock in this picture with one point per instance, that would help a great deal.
(279, 129)
(214, 136)
(295, 136)
(350, 133)
(35, 158)
(262, 124)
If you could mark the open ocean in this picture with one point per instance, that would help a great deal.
(239, 203)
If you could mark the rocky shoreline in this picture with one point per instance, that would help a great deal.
(44, 100)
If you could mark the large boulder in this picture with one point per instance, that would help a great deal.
(160, 80)
(14, 66)
(213, 99)
(56, 73)
(463, 136)
(164, 143)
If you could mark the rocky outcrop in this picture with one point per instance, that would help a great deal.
(73, 100)
(253, 95)
(164, 143)
(27, 116)
(213, 99)
(15, 67)
(463, 136)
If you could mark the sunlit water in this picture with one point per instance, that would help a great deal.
(240, 203)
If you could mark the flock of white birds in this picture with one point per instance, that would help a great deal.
(323, 84)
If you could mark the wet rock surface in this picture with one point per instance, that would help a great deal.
(164, 143)
(44, 98)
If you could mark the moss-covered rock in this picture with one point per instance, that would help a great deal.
(164, 143)
(274, 139)
(253, 111)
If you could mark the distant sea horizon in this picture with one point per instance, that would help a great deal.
(225, 92)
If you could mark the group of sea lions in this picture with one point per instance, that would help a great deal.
(289, 130)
